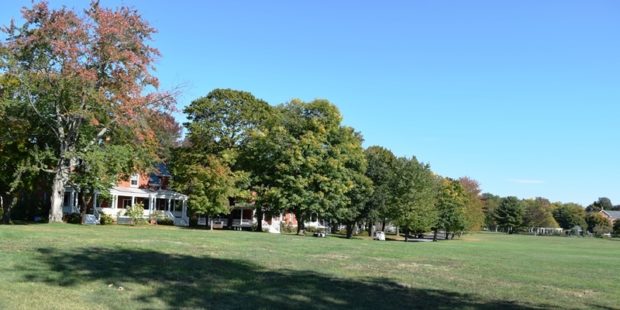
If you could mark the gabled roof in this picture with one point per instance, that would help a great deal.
(612, 214)
(162, 170)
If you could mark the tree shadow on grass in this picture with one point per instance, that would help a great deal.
(183, 281)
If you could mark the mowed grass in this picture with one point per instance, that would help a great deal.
(119, 267)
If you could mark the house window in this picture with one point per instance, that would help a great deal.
(133, 181)
(67, 199)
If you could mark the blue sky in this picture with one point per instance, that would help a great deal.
(522, 95)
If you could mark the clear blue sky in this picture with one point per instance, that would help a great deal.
(522, 95)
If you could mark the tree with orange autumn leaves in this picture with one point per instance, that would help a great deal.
(87, 78)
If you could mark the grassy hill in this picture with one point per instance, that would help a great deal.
(118, 267)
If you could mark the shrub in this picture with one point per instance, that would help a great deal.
(73, 218)
(288, 228)
(602, 229)
(311, 229)
(136, 213)
(105, 219)
(156, 216)
(617, 228)
(165, 221)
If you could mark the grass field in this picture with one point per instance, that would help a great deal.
(118, 267)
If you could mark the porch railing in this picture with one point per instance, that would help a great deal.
(242, 223)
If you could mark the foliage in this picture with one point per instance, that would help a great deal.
(450, 206)
(73, 218)
(165, 221)
(381, 170)
(207, 167)
(105, 219)
(538, 213)
(603, 203)
(357, 208)
(223, 119)
(354, 207)
(490, 203)
(474, 213)
(18, 138)
(616, 228)
(305, 158)
(86, 82)
(570, 215)
(413, 205)
(509, 214)
(136, 213)
(594, 219)
(208, 181)
(602, 229)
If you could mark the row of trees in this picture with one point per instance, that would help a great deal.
(510, 214)
(299, 157)
(79, 106)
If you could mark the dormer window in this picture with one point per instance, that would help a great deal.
(134, 180)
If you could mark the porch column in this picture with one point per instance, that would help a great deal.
(95, 200)
(169, 204)
(151, 204)
(184, 214)
(71, 198)
(75, 199)
(133, 200)
(114, 202)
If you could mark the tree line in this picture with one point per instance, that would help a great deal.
(299, 157)
(81, 107)
(510, 214)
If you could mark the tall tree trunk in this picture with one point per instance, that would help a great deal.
(86, 199)
(300, 222)
(435, 231)
(230, 220)
(370, 224)
(447, 234)
(259, 219)
(58, 194)
(406, 234)
(350, 230)
(6, 213)
(334, 226)
(383, 226)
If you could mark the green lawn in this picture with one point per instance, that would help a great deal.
(118, 267)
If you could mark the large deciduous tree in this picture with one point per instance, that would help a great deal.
(490, 203)
(538, 212)
(381, 170)
(413, 203)
(597, 223)
(304, 161)
(509, 214)
(474, 214)
(87, 78)
(450, 205)
(347, 146)
(603, 203)
(569, 215)
(208, 166)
